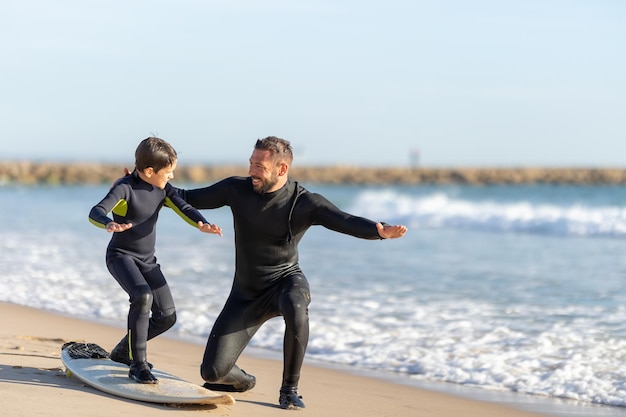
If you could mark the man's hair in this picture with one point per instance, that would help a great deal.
(154, 152)
(279, 148)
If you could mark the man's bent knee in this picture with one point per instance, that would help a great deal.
(210, 373)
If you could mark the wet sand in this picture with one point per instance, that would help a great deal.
(33, 380)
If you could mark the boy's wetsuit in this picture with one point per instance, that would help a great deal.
(268, 281)
(130, 255)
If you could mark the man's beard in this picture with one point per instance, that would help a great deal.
(265, 184)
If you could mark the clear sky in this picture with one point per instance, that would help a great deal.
(466, 82)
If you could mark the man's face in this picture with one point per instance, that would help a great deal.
(263, 171)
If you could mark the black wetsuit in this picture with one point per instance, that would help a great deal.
(268, 281)
(130, 255)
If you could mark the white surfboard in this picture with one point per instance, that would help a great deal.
(112, 378)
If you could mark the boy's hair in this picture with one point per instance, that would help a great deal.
(154, 152)
(279, 148)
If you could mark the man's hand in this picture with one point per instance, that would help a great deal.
(126, 172)
(391, 232)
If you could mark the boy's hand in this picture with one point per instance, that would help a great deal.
(117, 227)
(210, 228)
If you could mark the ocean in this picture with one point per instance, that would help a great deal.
(515, 290)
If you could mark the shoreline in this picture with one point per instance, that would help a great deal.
(68, 173)
(31, 339)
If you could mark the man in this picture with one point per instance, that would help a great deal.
(271, 214)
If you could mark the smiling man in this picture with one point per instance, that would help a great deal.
(271, 214)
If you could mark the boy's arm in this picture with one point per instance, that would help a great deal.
(114, 201)
(185, 210)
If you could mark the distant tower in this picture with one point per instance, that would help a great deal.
(414, 155)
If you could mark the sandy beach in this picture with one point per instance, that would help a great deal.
(33, 380)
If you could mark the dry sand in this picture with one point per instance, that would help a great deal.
(33, 381)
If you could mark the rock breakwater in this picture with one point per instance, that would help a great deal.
(52, 173)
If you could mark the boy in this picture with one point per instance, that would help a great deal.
(135, 202)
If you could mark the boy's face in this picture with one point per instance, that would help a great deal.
(161, 177)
